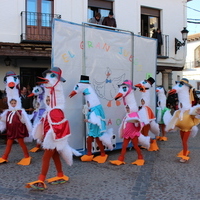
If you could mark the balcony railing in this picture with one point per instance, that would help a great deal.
(164, 47)
(192, 64)
(36, 27)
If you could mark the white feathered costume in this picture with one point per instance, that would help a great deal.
(187, 117)
(146, 113)
(15, 119)
(131, 126)
(96, 121)
(53, 129)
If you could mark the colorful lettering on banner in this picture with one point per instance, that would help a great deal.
(81, 45)
(65, 57)
(109, 122)
(106, 47)
(98, 46)
(125, 53)
(89, 44)
(118, 122)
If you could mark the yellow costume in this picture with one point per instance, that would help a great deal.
(186, 122)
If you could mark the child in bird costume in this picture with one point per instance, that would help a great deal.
(53, 129)
(15, 119)
(95, 120)
(186, 118)
(131, 126)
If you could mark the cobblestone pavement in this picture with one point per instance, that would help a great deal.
(162, 177)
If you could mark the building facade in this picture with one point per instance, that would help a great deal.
(192, 66)
(25, 34)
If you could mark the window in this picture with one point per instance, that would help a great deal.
(103, 7)
(150, 20)
(39, 12)
(39, 15)
(197, 56)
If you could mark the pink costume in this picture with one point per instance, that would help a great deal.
(130, 130)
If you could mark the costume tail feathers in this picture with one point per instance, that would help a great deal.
(2, 126)
(144, 141)
(106, 138)
(194, 131)
(167, 117)
(154, 128)
(67, 154)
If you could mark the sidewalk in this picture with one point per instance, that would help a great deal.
(162, 176)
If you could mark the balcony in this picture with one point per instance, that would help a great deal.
(164, 47)
(192, 65)
(36, 27)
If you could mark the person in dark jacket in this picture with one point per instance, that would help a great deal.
(159, 40)
(110, 20)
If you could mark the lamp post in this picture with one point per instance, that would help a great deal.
(178, 43)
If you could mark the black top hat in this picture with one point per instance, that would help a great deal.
(84, 79)
(184, 81)
(55, 70)
(10, 73)
(150, 80)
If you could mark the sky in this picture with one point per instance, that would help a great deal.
(193, 12)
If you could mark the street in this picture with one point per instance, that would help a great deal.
(162, 176)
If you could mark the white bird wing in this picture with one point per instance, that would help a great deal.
(99, 87)
(193, 110)
(167, 117)
(118, 80)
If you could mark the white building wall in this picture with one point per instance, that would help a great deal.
(127, 14)
(10, 22)
(192, 74)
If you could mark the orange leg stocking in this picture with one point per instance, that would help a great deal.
(138, 150)
(145, 130)
(184, 138)
(8, 148)
(89, 145)
(162, 128)
(58, 164)
(123, 151)
(48, 154)
(23, 146)
(101, 147)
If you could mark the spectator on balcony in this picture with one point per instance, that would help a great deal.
(158, 35)
(154, 35)
(160, 41)
(96, 19)
(110, 20)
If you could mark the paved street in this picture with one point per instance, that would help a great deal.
(162, 177)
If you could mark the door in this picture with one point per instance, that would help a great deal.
(39, 19)
(28, 76)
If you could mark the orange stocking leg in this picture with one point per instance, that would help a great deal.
(101, 147)
(23, 146)
(89, 145)
(48, 154)
(138, 150)
(184, 137)
(8, 148)
(145, 130)
(123, 151)
(163, 129)
(58, 164)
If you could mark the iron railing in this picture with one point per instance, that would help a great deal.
(36, 27)
(165, 46)
(192, 64)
